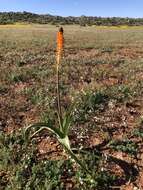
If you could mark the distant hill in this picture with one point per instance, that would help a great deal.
(27, 17)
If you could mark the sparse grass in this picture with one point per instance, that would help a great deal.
(21, 168)
(125, 145)
(102, 72)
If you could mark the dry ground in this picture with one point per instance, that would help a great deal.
(102, 71)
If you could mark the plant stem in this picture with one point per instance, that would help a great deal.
(58, 93)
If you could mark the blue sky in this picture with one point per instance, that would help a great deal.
(122, 8)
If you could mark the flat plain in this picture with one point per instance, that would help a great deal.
(102, 73)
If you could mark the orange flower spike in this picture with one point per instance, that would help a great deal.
(60, 44)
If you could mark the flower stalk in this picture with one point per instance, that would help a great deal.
(65, 120)
(60, 47)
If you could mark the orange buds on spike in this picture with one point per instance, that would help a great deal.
(60, 44)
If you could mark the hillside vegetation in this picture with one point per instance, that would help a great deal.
(13, 17)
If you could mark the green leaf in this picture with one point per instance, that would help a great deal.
(66, 125)
(66, 145)
(44, 126)
(67, 121)
(65, 141)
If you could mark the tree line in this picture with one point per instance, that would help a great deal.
(27, 17)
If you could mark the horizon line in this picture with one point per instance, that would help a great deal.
(69, 15)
